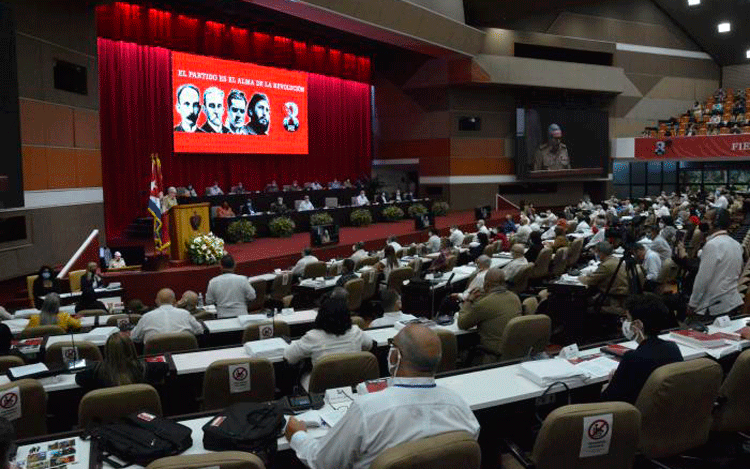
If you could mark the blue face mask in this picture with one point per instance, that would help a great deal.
(46, 275)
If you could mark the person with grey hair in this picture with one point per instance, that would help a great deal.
(609, 266)
(662, 243)
(552, 155)
(168, 201)
(413, 407)
(117, 262)
(165, 319)
(489, 309)
(213, 108)
(477, 283)
(50, 315)
(390, 300)
(188, 107)
(519, 262)
(650, 260)
(189, 302)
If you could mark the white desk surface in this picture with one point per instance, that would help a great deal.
(234, 324)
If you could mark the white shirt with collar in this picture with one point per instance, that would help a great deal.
(305, 205)
(484, 230)
(164, 320)
(477, 283)
(396, 247)
(316, 344)
(231, 294)
(512, 268)
(358, 255)
(652, 265)
(299, 267)
(215, 190)
(433, 244)
(582, 227)
(391, 318)
(715, 286)
(721, 202)
(362, 200)
(410, 409)
(456, 238)
(549, 234)
(522, 234)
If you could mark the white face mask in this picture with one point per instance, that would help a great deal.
(393, 367)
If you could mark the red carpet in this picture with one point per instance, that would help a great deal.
(266, 254)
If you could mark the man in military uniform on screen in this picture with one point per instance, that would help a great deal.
(552, 155)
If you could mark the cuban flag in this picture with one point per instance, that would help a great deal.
(161, 236)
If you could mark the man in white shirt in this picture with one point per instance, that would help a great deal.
(482, 228)
(362, 199)
(582, 226)
(512, 268)
(307, 258)
(391, 302)
(230, 293)
(650, 260)
(523, 232)
(715, 287)
(165, 319)
(412, 408)
(215, 189)
(359, 252)
(661, 243)
(117, 262)
(306, 204)
(477, 283)
(393, 241)
(721, 202)
(457, 237)
(433, 243)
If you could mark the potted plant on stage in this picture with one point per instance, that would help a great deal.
(241, 231)
(207, 249)
(281, 227)
(417, 210)
(361, 217)
(440, 208)
(320, 219)
(392, 213)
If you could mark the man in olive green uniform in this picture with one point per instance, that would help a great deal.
(601, 277)
(490, 309)
(552, 155)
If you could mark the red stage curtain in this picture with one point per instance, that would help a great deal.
(149, 26)
(136, 120)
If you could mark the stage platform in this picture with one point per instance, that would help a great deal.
(266, 254)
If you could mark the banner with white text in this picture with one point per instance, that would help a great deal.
(673, 148)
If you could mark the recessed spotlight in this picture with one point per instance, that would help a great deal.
(724, 27)
(692, 3)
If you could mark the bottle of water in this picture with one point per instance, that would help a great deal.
(200, 300)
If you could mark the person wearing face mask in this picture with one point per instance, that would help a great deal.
(413, 407)
(46, 282)
(646, 317)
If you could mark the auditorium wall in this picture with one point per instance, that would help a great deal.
(736, 76)
(59, 134)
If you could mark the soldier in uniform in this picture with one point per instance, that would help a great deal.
(552, 155)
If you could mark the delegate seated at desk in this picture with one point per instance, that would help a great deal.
(412, 408)
(608, 267)
(50, 315)
(391, 303)
(646, 317)
(165, 319)
(307, 258)
(46, 282)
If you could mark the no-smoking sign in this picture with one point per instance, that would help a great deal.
(9, 400)
(239, 378)
(239, 374)
(598, 430)
(10, 404)
(596, 435)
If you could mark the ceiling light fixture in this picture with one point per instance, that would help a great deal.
(692, 3)
(724, 27)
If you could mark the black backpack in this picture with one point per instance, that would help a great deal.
(253, 427)
(141, 438)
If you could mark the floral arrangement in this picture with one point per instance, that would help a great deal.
(281, 227)
(361, 217)
(321, 218)
(416, 210)
(440, 208)
(206, 249)
(392, 213)
(241, 231)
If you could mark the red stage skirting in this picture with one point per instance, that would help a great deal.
(266, 254)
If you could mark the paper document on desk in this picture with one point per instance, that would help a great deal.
(101, 334)
(546, 372)
(268, 348)
(598, 367)
(331, 417)
(246, 319)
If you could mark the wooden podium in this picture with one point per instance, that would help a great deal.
(185, 223)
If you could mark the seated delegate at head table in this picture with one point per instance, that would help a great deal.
(411, 408)
(238, 189)
(50, 315)
(646, 317)
(305, 205)
(278, 206)
(362, 199)
(247, 208)
(295, 186)
(165, 319)
(231, 293)
(224, 211)
(272, 186)
(215, 189)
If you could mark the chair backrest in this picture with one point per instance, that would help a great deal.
(343, 369)
(40, 331)
(10, 361)
(521, 280)
(558, 262)
(93, 312)
(221, 460)
(314, 270)
(449, 346)
(668, 272)
(60, 353)
(222, 388)
(529, 305)
(574, 252)
(252, 331)
(468, 239)
(355, 287)
(33, 419)
(74, 277)
(541, 264)
(398, 276)
(172, 342)
(559, 442)
(260, 295)
(114, 320)
(444, 451)
(450, 263)
(110, 404)
(371, 284)
(525, 335)
(411, 250)
(676, 404)
(281, 286)
(733, 413)
(370, 260)
(30, 279)
(490, 249)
